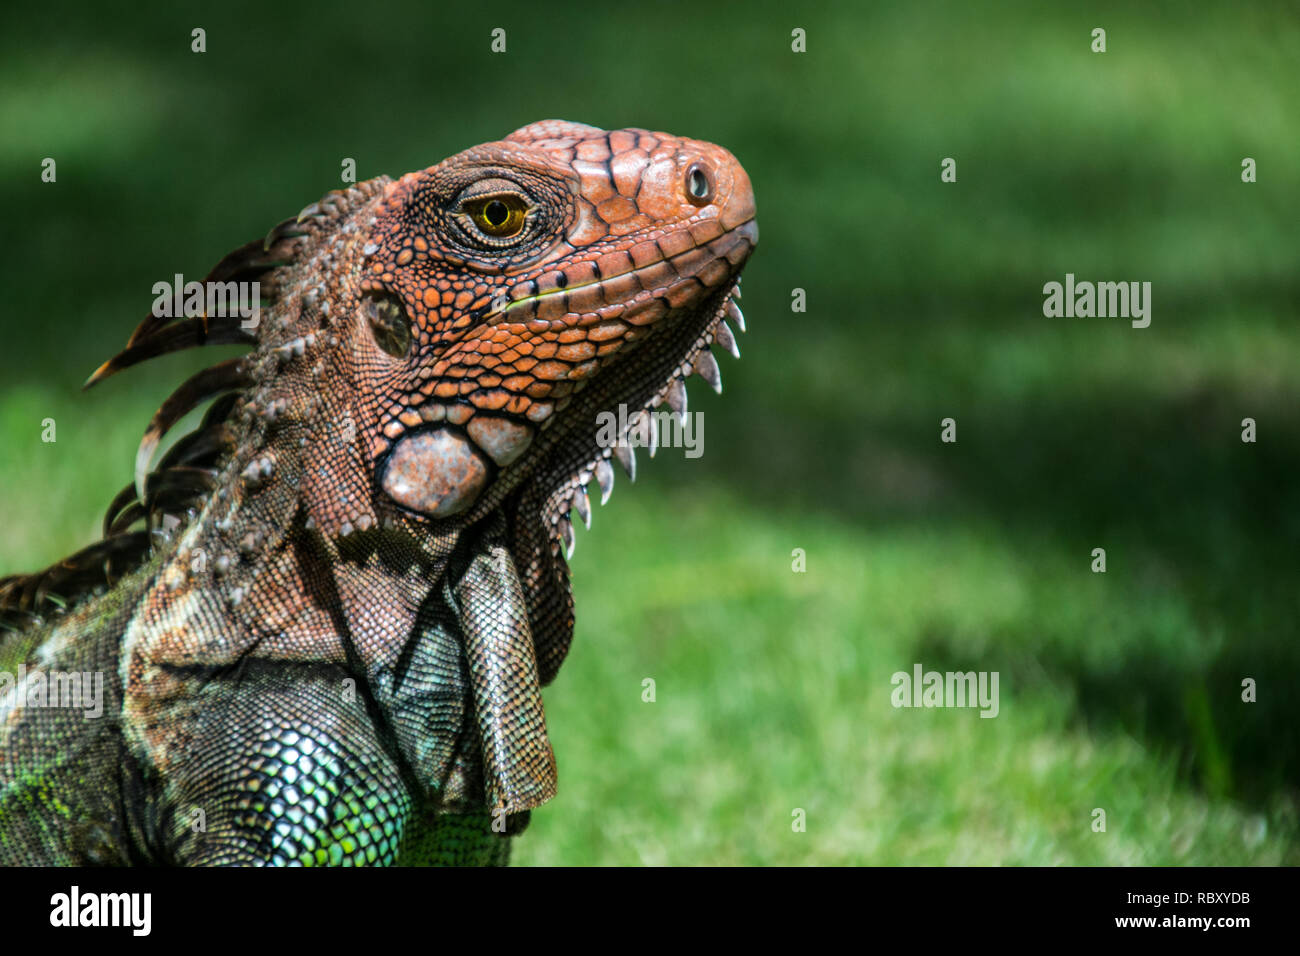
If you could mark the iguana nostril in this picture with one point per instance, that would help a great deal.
(699, 185)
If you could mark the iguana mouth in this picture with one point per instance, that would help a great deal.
(649, 375)
(632, 294)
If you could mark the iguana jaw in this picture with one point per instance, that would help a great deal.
(572, 454)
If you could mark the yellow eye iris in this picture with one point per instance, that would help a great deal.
(498, 216)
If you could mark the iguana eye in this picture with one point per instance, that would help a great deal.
(500, 216)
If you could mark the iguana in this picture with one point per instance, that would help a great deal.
(322, 620)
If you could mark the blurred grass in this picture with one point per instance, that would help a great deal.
(1119, 691)
(772, 693)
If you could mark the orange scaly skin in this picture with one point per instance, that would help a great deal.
(330, 634)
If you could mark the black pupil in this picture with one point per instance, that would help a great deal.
(496, 212)
(699, 185)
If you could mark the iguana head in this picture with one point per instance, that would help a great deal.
(503, 283)
(511, 296)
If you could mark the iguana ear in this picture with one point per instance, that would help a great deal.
(544, 576)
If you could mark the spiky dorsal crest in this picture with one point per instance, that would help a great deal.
(144, 515)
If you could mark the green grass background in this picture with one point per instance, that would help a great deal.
(1118, 691)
